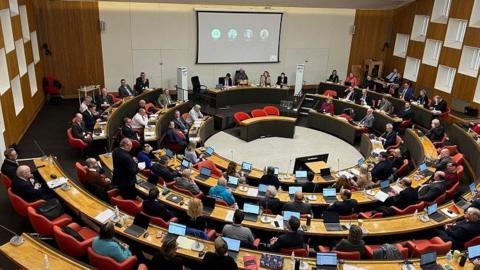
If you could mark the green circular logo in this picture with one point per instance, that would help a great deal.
(216, 34)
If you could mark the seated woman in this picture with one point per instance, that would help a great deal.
(397, 158)
(351, 80)
(364, 179)
(333, 77)
(265, 79)
(342, 183)
(191, 154)
(327, 106)
(232, 171)
(194, 217)
(167, 257)
(353, 242)
(105, 245)
(348, 114)
(144, 156)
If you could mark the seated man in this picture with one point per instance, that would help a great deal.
(140, 120)
(282, 80)
(443, 159)
(437, 132)
(79, 131)
(10, 164)
(96, 182)
(368, 83)
(383, 169)
(385, 105)
(180, 123)
(237, 231)
(406, 197)
(439, 105)
(171, 136)
(449, 174)
(125, 90)
(186, 182)
(164, 99)
(350, 93)
(363, 98)
(27, 187)
(393, 76)
(219, 259)
(270, 179)
(127, 130)
(431, 191)
(90, 117)
(151, 109)
(141, 83)
(346, 206)
(298, 205)
(406, 92)
(294, 238)
(367, 121)
(195, 114)
(462, 231)
(84, 105)
(153, 207)
(240, 77)
(161, 169)
(389, 137)
(104, 100)
(220, 191)
(353, 242)
(271, 202)
(406, 113)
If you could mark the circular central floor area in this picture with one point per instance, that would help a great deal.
(280, 152)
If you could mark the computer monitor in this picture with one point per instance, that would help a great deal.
(474, 252)
(251, 208)
(384, 184)
(232, 244)
(294, 189)
(246, 166)
(423, 167)
(177, 229)
(326, 259)
(473, 188)
(431, 209)
(185, 164)
(428, 258)
(210, 150)
(288, 214)
(232, 180)
(329, 192)
(300, 174)
(262, 188)
(205, 171)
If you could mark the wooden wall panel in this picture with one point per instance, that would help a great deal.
(71, 30)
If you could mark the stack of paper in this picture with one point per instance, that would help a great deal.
(253, 192)
(229, 216)
(185, 243)
(104, 216)
(381, 196)
(57, 182)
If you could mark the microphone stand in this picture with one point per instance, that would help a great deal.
(16, 240)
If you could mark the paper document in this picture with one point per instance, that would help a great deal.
(141, 165)
(355, 172)
(57, 182)
(229, 216)
(381, 196)
(346, 174)
(104, 216)
(279, 219)
(185, 243)
(448, 213)
(396, 188)
(252, 192)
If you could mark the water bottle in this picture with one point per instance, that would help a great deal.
(415, 214)
(449, 256)
(46, 262)
(292, 258)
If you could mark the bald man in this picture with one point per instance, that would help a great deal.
(443, 159)
(26, 187)
(345, 207)
(140, 120)
(298, 205)
(125, 170)
(436, 133)
(79, 130)
(367, 121)
(405, 198)
(462, 231)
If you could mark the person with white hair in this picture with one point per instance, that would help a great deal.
(389, 137)
(220, 191)
(367, 121)
(140, 120)
(462, 231)
(186, 182)
(437, 132)
(27, 187)
(95, 181)
(194, 114)
(79, 131)
(84, 105)
(271, 201)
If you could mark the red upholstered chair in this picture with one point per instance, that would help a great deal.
(267, 211)
(240, 116)
(419, 247)
(473, 242)
(405, 124)
(149, 106)
(449, 194)
(177, 148)
(186, 191)
(160, 221)
(114, 98)
(452, 148)
(345, 255)
(131, 207)
(258, 113)
(71, 246)
(444, 115)
(441, 142)
(398, 141)
(350, 217)
(369, 249)
(107, 263)
(43, 225)
(21, 205)
(271, 110)
(458, 158)
(7, 182)
(135, 143)
(74, 142)
(402, 171)
(222, 202)
(211, 165)
(330, 93)
(439, 200)
(459, 171)
(370, 214)
(81, 172)
(300, 252)
(410, 209)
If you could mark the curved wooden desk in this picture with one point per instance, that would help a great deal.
(30, 255)
(247, 94)
(267, 126)
(337, 126)
(467, 145)
(89, 207)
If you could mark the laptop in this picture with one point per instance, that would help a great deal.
(232, 181)
(209, 151)
(424, 170)
(474, 252)
(169, 153)
(330, 195)
(331, 220)
(139, 226)
(326, 261)
(251, 211)
(185, 164)
(204, 174)
(385, 186)
(428, 261)
(246, 167)
(262, 189)
(174, 198)
(434, 214)
(288, 214)
(473, 188)
(360, 162)
(326, 174)
(146, 185)
(208, 204)
(462, 203)
(301, 176)
(233, 246)
(177, 229)
(292, 190)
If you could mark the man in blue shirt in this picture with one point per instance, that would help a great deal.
(221, 191)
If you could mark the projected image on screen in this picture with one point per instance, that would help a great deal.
(238, 37)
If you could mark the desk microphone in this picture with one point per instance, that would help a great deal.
(16, 240)
(289, 164)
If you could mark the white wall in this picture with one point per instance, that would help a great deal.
(157, 38)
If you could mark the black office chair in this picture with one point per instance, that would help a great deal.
(199, 90)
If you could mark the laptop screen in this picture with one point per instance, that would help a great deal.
(232, 244)
(325, 172)
(246, 166)
(177, 229)
(384, 184)
(205, 171)
(428, 258)
(210, 150)
(232, 180)
(275, 170)
(360, 161)
(185, 163)
(141, 220)
(472, 188)
(431, 209)
(474, 252)
(301, 174)
(262, 188)
(330, 217)
(208, 202)
(422, 167)
(327, 258)
(292, 190)
(169, 153)
(251, 208)
(288, 214)
(329, 192)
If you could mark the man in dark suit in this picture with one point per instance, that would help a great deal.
(125, 169)
(180, 123)
(363, 98)
(346, 206)
(27, 187)
(350, 94)
(294, 238)
(429, 192)
(153, 207)
(389, 137)
(79, 130)
(406, 113)
(282, 80)
(271, 202)
(10, 164)
(226, 81)
(439, 104)
(125, 90)
(104, 100)
(96, 182)
(298, 205)
(462, 231)
(437, 132)
(173, 137)
(127, 129)
(309, 186)
(443, 159)
(383, 169)
(161, 169)
(406, 92)
(141, 83)
(405, 198)
(90, 117)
